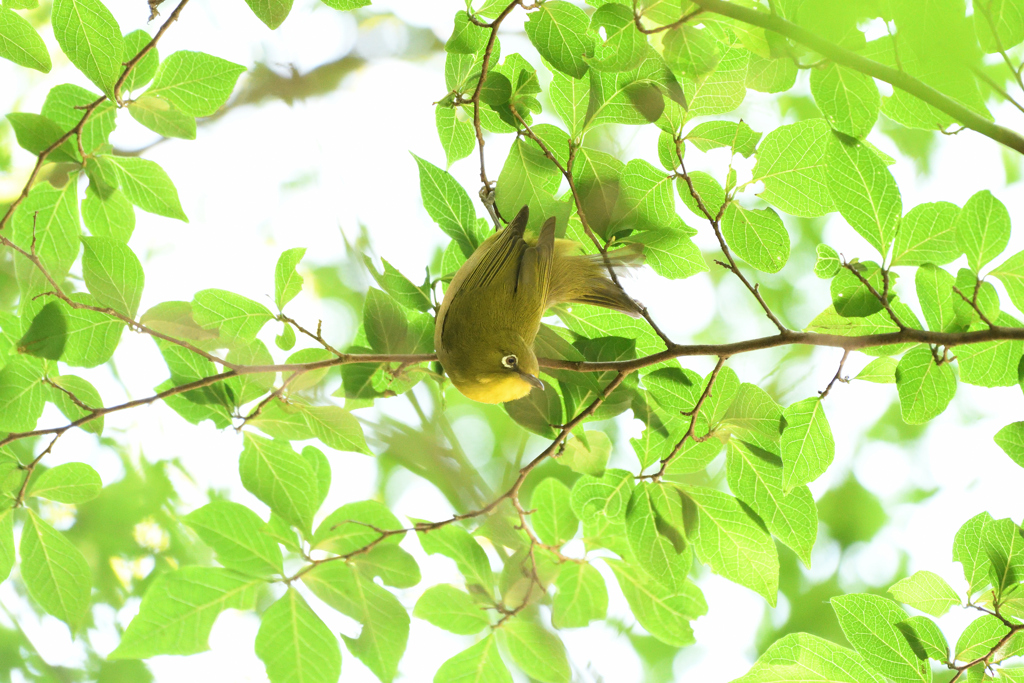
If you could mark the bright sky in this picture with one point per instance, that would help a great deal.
(267, 178)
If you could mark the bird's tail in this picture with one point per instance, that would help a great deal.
(584, 278)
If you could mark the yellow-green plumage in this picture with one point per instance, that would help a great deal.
(494, 304)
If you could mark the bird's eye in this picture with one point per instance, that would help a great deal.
(509, 361)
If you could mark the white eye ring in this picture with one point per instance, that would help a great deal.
(509, 361)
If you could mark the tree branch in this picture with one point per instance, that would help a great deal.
(844, 57)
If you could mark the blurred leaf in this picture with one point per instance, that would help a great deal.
(480, 663)
(72, 482)
(539, 653)
(449, 608)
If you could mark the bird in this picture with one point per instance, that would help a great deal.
(492, 310)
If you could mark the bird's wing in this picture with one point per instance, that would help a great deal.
(500, 258)
(535, 270)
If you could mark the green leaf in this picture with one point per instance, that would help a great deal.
(85, 393)
(581, 596)
(467, 38)
(828, 264)
(178, 611)
(385, 621)
(851, 298)
(554, 521)
(1011, 439)
(587, 458)
(570, 98)
(755, 476)
(22, 394)
(925, 637)
(385, 323)
(6, 542)
(755, 417)
(733, 544)
(969, 551)
(49, 214)
(37, 133)
(529, 178)
(880, 371)
(991, 364)
(646, 196)
(758, 236)
(456, 133)
(805, 657)
(927, 235)
(480, 663)
(925, 591)
(273, 13)
(830, 322)
(400, 287)
(111, 216)
(987, 299)
(20, 43)
(671, 253)
(980, 637)
(539, 653)
(935, 293)
(354, 526)
(113, 274)
(666, 615)
(651, 550)
(1004, 547)
(738, 136)
(147, 186)
(864, 191)
(925, 388)
(194, 82)
(722, 90)
(711, 193)
(235, 316)
(470, 558)
(623, 48)
(807, 443)
(791, 163)
(92, 337)
(46, 335)
(134, 43)
(235, 534)
(560, 32)
(690, 50)
(999, 25)
(394, 566)
(72, 482)
(336, 427)
(1011, 274)
(279, 477)
(55, 572)
(295, 645)
(538, 411)
(604, 496)
(871, 624)
(160, 116)
(88, 34)
(452, 609)
(848, 99)
(982, 229)
(770, 75)
(448, 204)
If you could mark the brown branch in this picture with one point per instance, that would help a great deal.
(691, 430)
(638, 15)
(487, 191)
(716, 225)
(838, 376)
(318, 337)
(973, 302)
(30, 468)
(133, 62)
(882, 298)
(842, 56)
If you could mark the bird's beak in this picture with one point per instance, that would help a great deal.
(531, 380)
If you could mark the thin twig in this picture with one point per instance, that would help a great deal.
(715, 221)
(838, 376)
